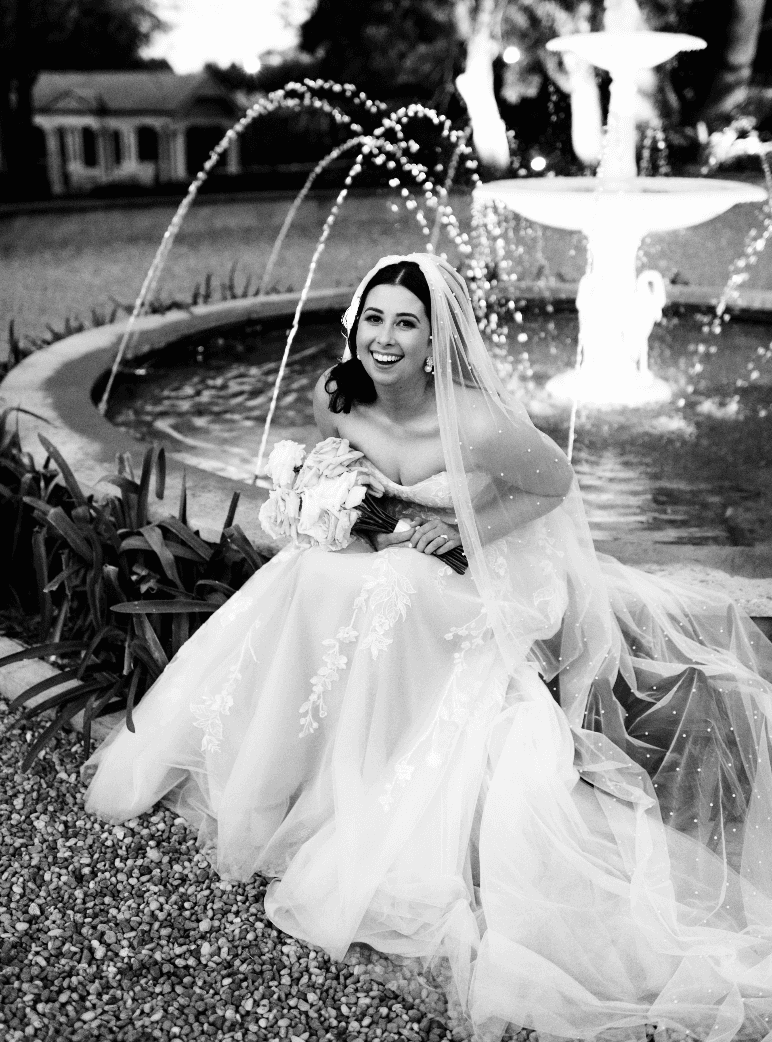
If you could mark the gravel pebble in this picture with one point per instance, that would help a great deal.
(125, 934)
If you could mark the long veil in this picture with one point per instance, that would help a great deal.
(625, 837)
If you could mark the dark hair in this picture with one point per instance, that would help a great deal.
(348, 383)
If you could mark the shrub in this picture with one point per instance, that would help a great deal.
(114, 593)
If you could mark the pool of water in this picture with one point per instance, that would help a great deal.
(697, 470)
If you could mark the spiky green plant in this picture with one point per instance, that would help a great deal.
(116, 593)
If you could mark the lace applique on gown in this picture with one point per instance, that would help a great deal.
(346, 725)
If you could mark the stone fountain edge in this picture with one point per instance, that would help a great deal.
(57, 384)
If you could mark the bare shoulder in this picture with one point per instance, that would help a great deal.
(325, 419)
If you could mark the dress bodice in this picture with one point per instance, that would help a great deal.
(433, 491)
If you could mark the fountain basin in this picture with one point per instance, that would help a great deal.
(637, 205)
(618, 307)
(59, 384)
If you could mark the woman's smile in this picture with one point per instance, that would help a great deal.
(384, 358)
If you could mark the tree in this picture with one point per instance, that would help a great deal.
(389, 48)
(58, 34)
(708, 85)
(417, 48)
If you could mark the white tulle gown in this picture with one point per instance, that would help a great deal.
(377, 734)
(346, 725)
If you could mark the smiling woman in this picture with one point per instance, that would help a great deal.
(548, 778)
(394, 321)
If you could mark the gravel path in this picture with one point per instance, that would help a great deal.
(125, 933)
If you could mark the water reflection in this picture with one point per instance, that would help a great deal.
(697, 470)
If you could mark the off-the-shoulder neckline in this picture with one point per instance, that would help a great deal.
(396, 484)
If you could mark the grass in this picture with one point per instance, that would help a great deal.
(64, 265)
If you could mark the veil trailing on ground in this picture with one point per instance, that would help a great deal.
(630, 759)
(548, 779)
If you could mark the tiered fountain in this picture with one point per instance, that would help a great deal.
(615, 210)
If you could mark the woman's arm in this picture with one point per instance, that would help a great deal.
(513, 452)
(529, 475)
(325, 420)
(510, 508)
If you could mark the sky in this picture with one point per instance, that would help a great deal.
(222, 31)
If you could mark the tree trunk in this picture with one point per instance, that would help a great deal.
(16, 104)
(586, 111)
(5, 128)
(729, 89)
(475, 85)
(16, 134)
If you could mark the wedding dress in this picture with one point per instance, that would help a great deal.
(549, 776)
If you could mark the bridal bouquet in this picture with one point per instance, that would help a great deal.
(325, 497)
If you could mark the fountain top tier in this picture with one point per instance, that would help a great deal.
(638, 205)
(617, 198)
(618, 306)
(626, 53)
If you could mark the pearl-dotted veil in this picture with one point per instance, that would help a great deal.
(656, 718)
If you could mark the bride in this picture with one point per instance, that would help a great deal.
(549, 776)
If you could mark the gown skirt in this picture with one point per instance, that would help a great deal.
(346, 727)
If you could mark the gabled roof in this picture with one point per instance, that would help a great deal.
(163, 92)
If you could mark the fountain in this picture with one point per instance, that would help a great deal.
(689, 476)
(615, 210)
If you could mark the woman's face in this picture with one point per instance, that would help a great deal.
(393, 336)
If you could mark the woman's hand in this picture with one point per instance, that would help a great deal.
(382, 540)
(434, 537)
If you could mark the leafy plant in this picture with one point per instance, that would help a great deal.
(116, 593)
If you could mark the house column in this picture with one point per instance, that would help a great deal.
(164, 154)
(233, 157)
(130, 144)
(54, 162)
(179, 155)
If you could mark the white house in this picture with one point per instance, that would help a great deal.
(104, 128)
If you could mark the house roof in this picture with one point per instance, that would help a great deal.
(162, 92)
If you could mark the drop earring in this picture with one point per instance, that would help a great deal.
(429, 364)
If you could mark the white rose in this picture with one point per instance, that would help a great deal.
(280, 513)
(330, 449)
(310, 509)
(329, 459)
(343, 492)
(318, 525)
(283, 462)
(346, 522)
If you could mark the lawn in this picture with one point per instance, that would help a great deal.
(65, 264)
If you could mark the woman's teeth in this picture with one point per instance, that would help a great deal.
(385, 359)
